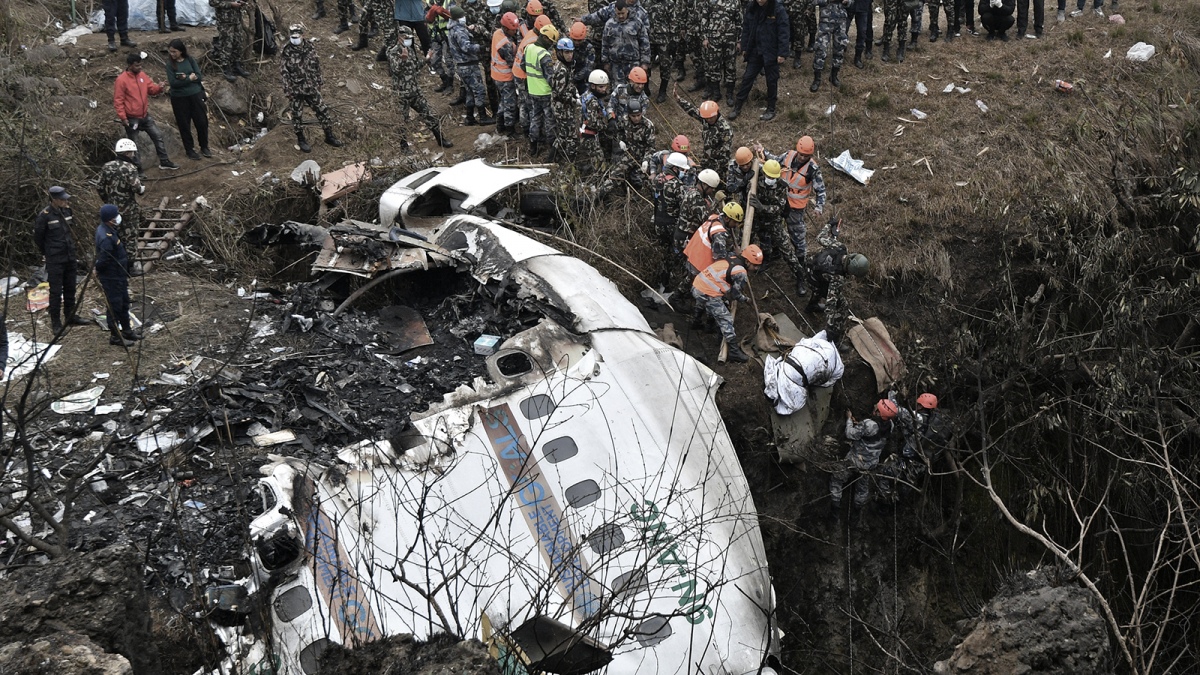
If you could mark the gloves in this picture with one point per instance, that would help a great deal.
(141, 189)
(645, 167)
(754, 203)
(622, 145)
(995, 3)
(720, 195)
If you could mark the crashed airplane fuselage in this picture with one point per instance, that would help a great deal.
(582, 511)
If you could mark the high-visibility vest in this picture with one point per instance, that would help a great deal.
(799, 187)
(518, 68)
(537, 83)
(699, 248)
(501, 71)
(713, 281)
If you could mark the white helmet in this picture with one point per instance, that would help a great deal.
(678, 160)
(125, 145)
(598, 77)
(709, 178)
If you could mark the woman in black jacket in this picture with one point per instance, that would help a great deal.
(187, 98)
(996, 16)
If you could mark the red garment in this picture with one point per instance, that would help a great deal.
(434, 12)
(131, 95)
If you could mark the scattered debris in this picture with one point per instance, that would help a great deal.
(922, 89)
(342, 182)
(38, 297)
(962, 183)
(1117, 19)
(307, 172)
(1063, 87)
(853, 167)
(949, 88)
(1140, 52)
(80, 401)
(1108, 54)
(918, 114)
(485, 345)
(981, 105)
(24, 355)
(830, 109)
(72, 35)
(983, 151)
(962, 67)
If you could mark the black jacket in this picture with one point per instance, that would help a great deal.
(52, 234)
(765, 30)
(1006, 8)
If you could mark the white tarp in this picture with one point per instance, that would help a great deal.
(784, 385)
(143, 14)
(23, 356)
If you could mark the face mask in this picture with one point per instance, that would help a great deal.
(407, 43)
(296, 40)
(118, 219)
(494, 10)
(769, 182)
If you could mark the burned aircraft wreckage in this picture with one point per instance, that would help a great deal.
(581, 509)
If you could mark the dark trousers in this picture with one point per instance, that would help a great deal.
(190, 110)
(422, 32)
(62, 289)
(168, 7)
(755, 64)
(863, 31)
(116, 18)
(1039, 15)
(147, 125)
(116, 294)
(964, 12)
(994, 23)
(946, 8)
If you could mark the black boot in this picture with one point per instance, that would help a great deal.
(887, 53)
(239, 70)
(342, 27)
(462, 96)
(798, 62)
(734, 111)
(698, 84)
(304, 146)
(768, 115)
(737, 355)
(382, 55)
(330, 139)
(227, 72)
(858, 62)
(471, 116)
(320, 13)
(833, 77)
(933, 35)
(912, 43)
(812, 42)
(484, 117)
(535, 148)
(115, 338)
(870, 53)
(447, 82)
(900, 52)
(662, 89)
(361, 44)
(126, 42)
(441, 140)
(682, 72)
(816, 81)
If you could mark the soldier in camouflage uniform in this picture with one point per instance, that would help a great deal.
(503, 56)
(696, 203)
(633, 90)
(231, 38)
(803, 17)
(720, 28)
(301, 70)
(564, 102)
(832, 34)
(895, 19)
(626, 42)
(467, 55)
(405, 65)
(769, 203)
(738, 174)
(377, 16)
(120, 186)
(438, 18)
(715, 132)
(660, 20)
(636, 139)
(668, 190)
(584, 60)
(596, 124)
(828, 277)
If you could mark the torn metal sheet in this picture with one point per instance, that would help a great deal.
(345, 180)
(583, 504)
(405, 328)
(24, 355)
(441, 191)
(80, 401)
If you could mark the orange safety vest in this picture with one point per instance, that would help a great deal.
(799, 187)
(518, 68)
(699, 248)
(501, 71)
(714, 280)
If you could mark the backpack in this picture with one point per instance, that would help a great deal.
(264, 35)
(829, 261)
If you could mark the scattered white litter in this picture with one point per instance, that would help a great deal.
(1108, 54)
(100, 376)
(962, 183)
(1140, 52)
(853, 167)
(80, 401)
(485, 141)
(830, 109)
(161, 441)
(918, 114)
(72, 36)
(981, 105)
(922, 89)
(307, 171)
(11, 286)
(24, 355)
(375, 85)
(949, 88)
(274, 438)
(962, 90)
(263, 327)
(109, 408)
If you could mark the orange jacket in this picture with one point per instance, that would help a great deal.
(131, 95)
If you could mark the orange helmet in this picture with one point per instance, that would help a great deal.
(510, 21)
(806, 146)
(886, 409)
(743, 156)
(637, 74)
(681, 143)
(927, 401)
(709, 109)
(534, 8)
(541, 22)
(752, 254)
(578, 31)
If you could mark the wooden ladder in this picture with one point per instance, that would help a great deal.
(159, 230)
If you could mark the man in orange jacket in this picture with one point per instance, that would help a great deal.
(131, 98)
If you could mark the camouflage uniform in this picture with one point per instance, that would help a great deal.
(379, 13)
(565, 109)
(737, 181)
(667, 194)
(583, 64)
(716, 306)
(506, 111)
(721, 26)
(895, 19)
(833, 283)
(590, 153)
(832, 34)
(301, 71)
(868, 439)
(439, 37)
(120, 186)
(639, 140)
(231, 35)
(768, 222)
(405, 65)
(802, 15)
(466, 55)
(660, 20)
(618, 101)
(625, 45)
(718, 138)
(694, 208)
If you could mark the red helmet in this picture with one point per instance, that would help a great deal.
(709, 109)
(638, 74)
(510, 21)
(885, 409)
(541, 22)
(534, 8)
(680, 143)
(806, 145)
(927, 401)
(752, 254)
(578, 31)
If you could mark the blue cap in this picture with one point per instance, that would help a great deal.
(566, 45)
(108, 212)
(59, 192)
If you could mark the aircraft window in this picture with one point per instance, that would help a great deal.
(606, 538)
(311, 655)
(514, 364)
(582, 493)
(268, 497)
(537, 406)
(652, 631)
(630, 583)
(277, 550)
(560, 449)
(292, 603)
